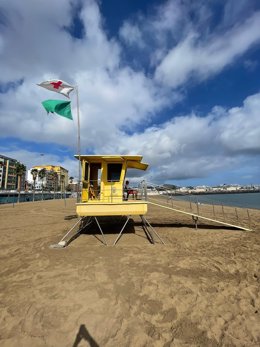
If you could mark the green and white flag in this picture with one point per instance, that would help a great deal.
(60, 107)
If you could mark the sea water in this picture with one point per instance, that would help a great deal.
(244, 200)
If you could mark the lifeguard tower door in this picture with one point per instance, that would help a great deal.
(94, 176)
(90, 184)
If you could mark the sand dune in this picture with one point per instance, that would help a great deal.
(200, 289)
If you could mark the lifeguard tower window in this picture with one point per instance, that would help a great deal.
(114, 172)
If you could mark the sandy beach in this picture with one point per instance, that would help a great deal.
(200, 289)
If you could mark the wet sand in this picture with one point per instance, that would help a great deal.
(200, 289)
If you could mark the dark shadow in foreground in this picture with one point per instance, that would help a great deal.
(83, 334)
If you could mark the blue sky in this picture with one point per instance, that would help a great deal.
(175, 81)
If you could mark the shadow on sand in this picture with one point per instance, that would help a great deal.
(113, 225)
(188, 225)
(73, 216)
(109, 225)
(83, 334)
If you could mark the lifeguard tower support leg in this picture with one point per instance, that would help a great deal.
(85, 221)
(149, 230)
(148, 226)
(62, 243)
(119, 235)
(101, 231)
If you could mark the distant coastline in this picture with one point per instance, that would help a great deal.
(218, 192)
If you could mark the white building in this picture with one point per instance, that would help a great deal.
(38, 182)
(233, 188)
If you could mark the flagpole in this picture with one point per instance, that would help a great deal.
(78, 190)
(64, 88)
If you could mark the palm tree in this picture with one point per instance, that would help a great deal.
(55, 181)
(70, 185)
(34, 173)
(20, 170)
(62, 182)
(42, 175)
(50, 180)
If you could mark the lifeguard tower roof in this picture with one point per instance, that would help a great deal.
(133, 161)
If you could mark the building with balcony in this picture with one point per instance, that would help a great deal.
(8, 176)
(56, 178)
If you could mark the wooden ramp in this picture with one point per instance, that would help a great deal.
(196, 216)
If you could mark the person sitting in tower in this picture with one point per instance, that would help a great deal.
(128, 190)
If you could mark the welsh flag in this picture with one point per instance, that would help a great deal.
(57, 86)
(60, 107)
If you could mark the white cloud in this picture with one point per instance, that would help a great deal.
(240, 128)
(111, 97)
(35, 41)
(107, 103)
(194, 146)
(181, 42)
(186, 147)
(131, 34)
(192, 58)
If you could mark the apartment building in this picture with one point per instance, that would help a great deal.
(57, 178)
(8, 177)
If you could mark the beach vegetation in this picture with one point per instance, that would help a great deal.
(20, 170)
(53, 177)
(62, 182)
(42, 174)
(34, 173)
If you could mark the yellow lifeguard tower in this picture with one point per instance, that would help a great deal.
(104, 193)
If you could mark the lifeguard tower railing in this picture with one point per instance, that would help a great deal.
(209, 210)
(111, 194)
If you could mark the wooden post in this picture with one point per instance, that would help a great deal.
(223, 212)
(197, 203)
(249, 219)
(65, 202)
(195, 219)
(236, 213)
(145, 190)
(213, 210)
